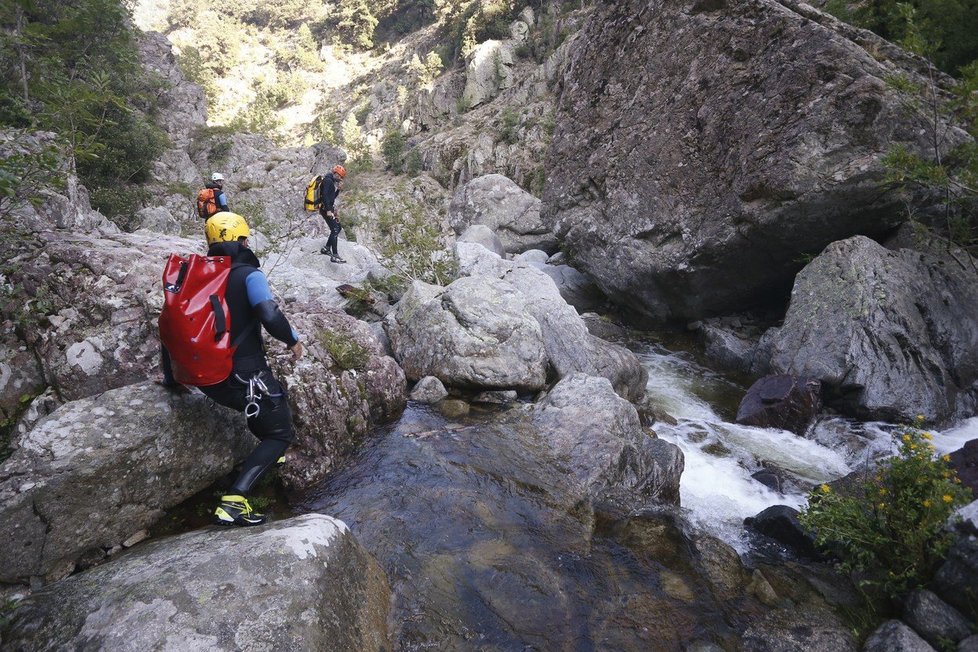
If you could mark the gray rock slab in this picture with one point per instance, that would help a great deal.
(303, 583)
(98, 470)
(935, 620)
(771, 123)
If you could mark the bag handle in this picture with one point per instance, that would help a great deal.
(220, 322)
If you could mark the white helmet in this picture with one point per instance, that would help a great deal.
(217, 176)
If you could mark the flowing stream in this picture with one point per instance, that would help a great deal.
(484, 551)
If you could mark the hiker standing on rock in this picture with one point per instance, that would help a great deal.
(328, 190)
(211, 199)
(250, 388)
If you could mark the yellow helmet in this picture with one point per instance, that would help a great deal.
(225, 227)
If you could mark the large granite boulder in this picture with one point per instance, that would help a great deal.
(88, 305)
(781, 401)
(97, 470)
(303, 583)
(965, 463)
(935, 620)
(512, 213)
(570, 348)
(891, 334)
(895, 636)
(344, 385)
(475, 333)
(702, 147)
(576, 288)
(956, 581)
(488, 70)
(598, 437)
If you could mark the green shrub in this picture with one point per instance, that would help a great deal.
(414, 162)
(411, 245)
(393, 150)
(345, 351)
(891, 533)
(509, 129)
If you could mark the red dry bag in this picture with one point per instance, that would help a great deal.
(195, 324)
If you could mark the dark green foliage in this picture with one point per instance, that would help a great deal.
(950, 25)
(72, 68)
(26, 167)
(393, 150)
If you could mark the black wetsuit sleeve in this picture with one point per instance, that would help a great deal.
(267, 311)
(327, 193)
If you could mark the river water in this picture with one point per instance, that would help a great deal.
(485, 550)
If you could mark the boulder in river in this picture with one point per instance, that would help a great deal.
(598, 437)
(781, 401)
(506, 209)
(891, 334)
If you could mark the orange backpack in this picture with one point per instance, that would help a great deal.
(206, 203)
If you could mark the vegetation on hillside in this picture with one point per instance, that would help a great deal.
(945, 32)
(72, 68)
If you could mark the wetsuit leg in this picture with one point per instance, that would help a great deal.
(273, 426)
(334, 232)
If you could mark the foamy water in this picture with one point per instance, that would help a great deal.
(717, 487)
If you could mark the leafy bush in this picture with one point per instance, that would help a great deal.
(892, 533)
(73, 68)
(345, 351)
(509, 129)
(411, 245)
(393, 150)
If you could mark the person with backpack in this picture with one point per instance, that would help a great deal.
(329, 188)
(247, 384)
(211, 198)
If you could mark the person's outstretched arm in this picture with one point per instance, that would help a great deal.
(273, 319)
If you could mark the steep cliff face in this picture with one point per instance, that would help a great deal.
(704, 147)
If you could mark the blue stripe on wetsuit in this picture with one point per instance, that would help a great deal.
(260, 298)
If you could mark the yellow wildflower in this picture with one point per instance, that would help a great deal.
(882, 491)
(945, 458)
(906, 438)
(928, 436)
(926, 503)
(825, 489)
(920, 418)
(947, 498)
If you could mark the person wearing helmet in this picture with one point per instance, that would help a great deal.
(251, 307)
(212, 199)
(328, 191)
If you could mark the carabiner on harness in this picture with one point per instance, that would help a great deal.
(256, 390)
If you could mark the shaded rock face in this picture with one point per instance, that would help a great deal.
(303, 583)
(956, 581)
(345, 384)
(895, 636)
(576, 288)
(570, 348)
(481, 234)
(599, 438)
(965, 462)
(935, 620)
(689, 184)
(889, 333)
(508, 210)
(782, 402)
(99, 469)
(474, 333)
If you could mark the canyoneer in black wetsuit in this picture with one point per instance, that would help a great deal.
(328, 191)
(251, 388)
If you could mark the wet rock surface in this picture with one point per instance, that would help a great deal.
(302, 583)
(965, 463)
(782, 401)
(599, 438)
(889, 333)
(766, 145)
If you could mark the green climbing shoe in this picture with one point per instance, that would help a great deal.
(235, 510)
